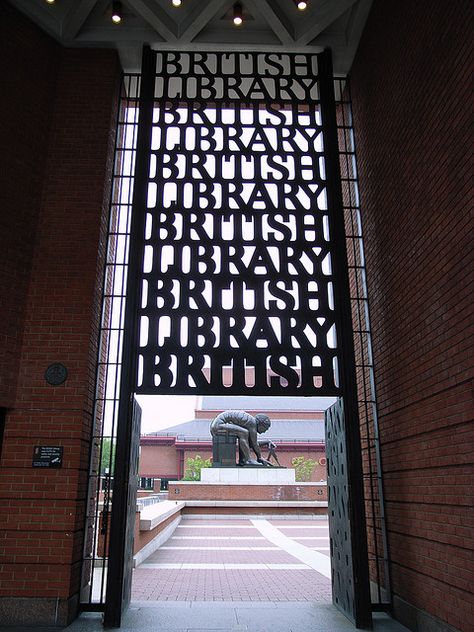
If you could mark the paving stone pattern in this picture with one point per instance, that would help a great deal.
(269, 598)
(230, 560)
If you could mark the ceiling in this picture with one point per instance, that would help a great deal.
(204, 25)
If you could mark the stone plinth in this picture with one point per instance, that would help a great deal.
(248, 475)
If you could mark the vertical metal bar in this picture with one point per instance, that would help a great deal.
(362, 310)
(378, 456)
(103, 342)
(107, 371)
(117, 544)
(355, 240)
(362, 607)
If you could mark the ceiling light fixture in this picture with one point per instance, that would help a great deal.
(50, 1)
(301, 4)
(176, 3)
(117, 12)
(238, 19)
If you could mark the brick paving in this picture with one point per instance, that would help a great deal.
(220, 555)
(230, 560)
(230, 585)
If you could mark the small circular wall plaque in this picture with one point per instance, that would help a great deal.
(56, 374)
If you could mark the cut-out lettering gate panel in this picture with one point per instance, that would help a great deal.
(237, 283)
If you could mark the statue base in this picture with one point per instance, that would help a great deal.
(260, 474)
(224, 451)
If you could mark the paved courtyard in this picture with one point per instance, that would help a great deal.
(261, 575)
(239, 560)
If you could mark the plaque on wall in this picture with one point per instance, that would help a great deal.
(56, 374)
(48, 456)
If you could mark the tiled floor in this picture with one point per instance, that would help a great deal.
(248, 560)
(226, 617)
(260, 575)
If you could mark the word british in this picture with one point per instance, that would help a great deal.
(237, 76)
(237, 280)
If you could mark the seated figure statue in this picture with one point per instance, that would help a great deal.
(246, 428)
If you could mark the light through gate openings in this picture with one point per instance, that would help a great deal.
(237, 281)
(237, 250)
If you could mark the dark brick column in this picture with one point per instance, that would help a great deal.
(62, 111)
(412, 99)
(29, 66)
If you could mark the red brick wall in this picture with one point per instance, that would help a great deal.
(286, 456)
(159, 461)
(42, 510)
(29, 65)
(412, 101)
(210, 510)
(212, 491)
(163, 460)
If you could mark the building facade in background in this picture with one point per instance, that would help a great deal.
(297, 429)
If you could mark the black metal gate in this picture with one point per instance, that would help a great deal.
(237, 240)
(237, 278)
(348, 548)
(119, 580)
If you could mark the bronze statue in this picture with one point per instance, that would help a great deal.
(245, 427)
(271, 450)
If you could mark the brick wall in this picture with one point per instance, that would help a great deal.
(29, 65)
(286, 455)
(277, 493)
(211, 510)
(412, 103)
(163, 460)
(59, 291)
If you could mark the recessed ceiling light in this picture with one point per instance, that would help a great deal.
(238, 19)
(116, 12)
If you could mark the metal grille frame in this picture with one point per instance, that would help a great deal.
(378, 550)
(109, 361)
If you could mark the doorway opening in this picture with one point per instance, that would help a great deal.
(285, 370)
(268, 543)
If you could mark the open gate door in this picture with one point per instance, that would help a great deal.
(178, 218)
(347, 533)
(119, 579)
